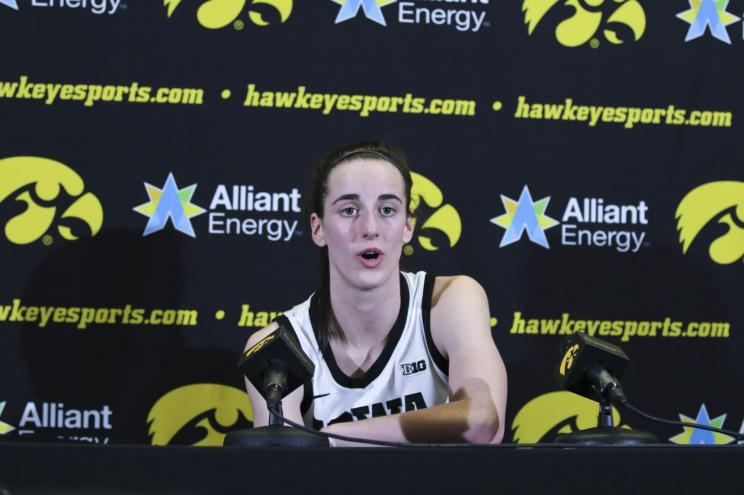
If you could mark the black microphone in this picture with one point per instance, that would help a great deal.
(276, 365)
(590, 367)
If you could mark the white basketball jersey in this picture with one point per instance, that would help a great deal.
(409, 374)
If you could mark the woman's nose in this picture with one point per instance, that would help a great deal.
(369, 225)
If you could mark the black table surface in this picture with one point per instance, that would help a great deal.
(27, 468)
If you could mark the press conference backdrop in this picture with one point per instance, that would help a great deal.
(581, 159)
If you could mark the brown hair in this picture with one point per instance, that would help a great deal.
(328, 326)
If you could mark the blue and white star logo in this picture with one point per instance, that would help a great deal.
(10, 3)
(524, 215)
(697, 436)
(709, 14)
(169, 202)
(372, 9)
(5, 428)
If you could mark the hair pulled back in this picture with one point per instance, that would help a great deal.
(328, 326)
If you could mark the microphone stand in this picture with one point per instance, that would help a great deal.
(605, 433)
(275, 434)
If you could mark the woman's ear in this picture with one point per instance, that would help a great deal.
(316, 227)
(408, 232)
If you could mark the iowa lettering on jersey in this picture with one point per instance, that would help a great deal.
(410, 402)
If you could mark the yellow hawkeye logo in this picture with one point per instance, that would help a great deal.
(216, 14)
(199, 414)
(548, 415)
(445, 219)
(721, 200)
(39, 183)
(568, 359)
(612, 16)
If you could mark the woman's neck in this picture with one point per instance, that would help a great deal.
(366, 317)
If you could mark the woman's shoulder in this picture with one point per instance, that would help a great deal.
(453, 288)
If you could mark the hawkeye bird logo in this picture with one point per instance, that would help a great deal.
(720, 202)
(200, 414)
(568, 359)
(216, 14)
(46, 187)
(618, 19)
(445, 219)
(548, 415)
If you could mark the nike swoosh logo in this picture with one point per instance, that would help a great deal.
(321, 395)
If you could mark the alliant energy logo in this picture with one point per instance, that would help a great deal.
(199, 414)
(461, 15)
(241, 209)
(235, 209)
(217, 14)
(41, 194)
(708, 15)
(548, 415)
(440, 227)
(97, 7)
(718, 203)
(618, 21)
(5, 428)
(59, 421)
(698, 436)
(586, 222)
(169, 203)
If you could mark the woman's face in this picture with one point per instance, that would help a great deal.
(365, 223)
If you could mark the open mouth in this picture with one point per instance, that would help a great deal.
(370, 255)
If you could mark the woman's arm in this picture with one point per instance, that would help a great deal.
(461, 330)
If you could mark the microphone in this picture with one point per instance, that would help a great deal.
(590, 367)
(276, 365)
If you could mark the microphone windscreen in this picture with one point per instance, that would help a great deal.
(582, 351)
(278, 350)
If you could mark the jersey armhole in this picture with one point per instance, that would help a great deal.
(440, 361)
(307, 387)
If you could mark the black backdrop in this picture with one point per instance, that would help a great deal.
(143, 331)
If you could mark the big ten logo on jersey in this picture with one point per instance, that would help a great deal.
(441, 225)
(415, 367)
(199, 414)
(547, 415)
(217, 14)
(581, 20)
(39, 194)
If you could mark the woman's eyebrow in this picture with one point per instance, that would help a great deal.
(385, 197)
(346, 197)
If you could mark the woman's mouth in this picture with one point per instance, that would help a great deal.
(370, 258)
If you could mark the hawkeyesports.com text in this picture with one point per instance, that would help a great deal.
(90, 94)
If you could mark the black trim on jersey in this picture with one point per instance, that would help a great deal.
(392, 341)
(426, 300)
(307, 387)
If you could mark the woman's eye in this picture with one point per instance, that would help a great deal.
(387, 211)
(349, 211)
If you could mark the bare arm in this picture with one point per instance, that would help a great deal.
(290, 404)
(461, 330)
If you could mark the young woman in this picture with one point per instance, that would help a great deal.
(400, 357)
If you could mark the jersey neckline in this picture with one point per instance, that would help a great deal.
(392, 342)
